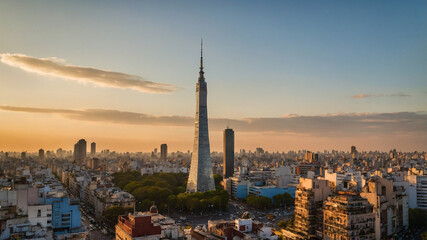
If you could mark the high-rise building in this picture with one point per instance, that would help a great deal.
(23, 155)
(353, 149)
(348, 216)
(228, 160)
(309, 198)
(163, 151)
(41, 154)
(93, 148)
(80, 150)
(200, 178)
(390, 206)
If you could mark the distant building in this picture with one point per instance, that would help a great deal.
(309, 156)
(41, 154)
(200, 178)
(93, 148)
(353, 149)
(94, 163)
(80, 150)
(228, 160)
(271, 191)
(164, 151)
(23, 155)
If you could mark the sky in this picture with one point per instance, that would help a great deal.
(285, 75)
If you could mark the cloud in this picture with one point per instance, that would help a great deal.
(400, 95)
(362, 96)
(57, 68)
(380, 95)
(350, 124)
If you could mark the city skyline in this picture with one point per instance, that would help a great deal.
(284, 80)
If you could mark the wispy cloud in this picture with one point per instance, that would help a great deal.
(363, 96)
(380, 95)
(349, 124)
(400, 95)
(57, 68)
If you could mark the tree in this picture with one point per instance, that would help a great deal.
(112, 214)
(417, 218)
(144, 205)
(288, 200)
(278, 200)
(259, 202)
(282, 224)
(217, 179)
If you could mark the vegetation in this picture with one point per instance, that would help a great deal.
(283, 200)
(167, 191)
(112, 214)
(417, 218)
(259, 202)
(217, 179)
(283, 224)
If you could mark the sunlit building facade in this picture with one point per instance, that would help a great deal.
(200, 178)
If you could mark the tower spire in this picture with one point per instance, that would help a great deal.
(201, 54)
(201, 76)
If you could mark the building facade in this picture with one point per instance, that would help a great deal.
(228, 160)
(348, 216)
(80, 149)
(93, 148)
(164, 151)
(309, 198)
(200, 178)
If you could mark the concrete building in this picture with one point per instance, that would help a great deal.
(271, 191)
(41, 154)
(164, 151)
(309, 198)
(228, 159)
(93, 148)
(66, 216)
(80, 150)
(40, 214)
(147, 226)
(390, 207)
(347, 216)
(200, 178)
(106, 198)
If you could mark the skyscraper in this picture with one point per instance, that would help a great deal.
(163, 151)
(41, 154)
(228, 161)
(93, 148)
(201, 176)
(80, 150)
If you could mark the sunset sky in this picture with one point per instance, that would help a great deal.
(285, 75)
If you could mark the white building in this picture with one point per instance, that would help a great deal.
(40, 214)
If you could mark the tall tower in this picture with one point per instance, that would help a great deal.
(80, 149)
(201, 176)
(93, 148)
(164, 151)
(228, 161)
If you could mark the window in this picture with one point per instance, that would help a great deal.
(39, 213)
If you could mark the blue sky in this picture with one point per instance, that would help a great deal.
(262, 58)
